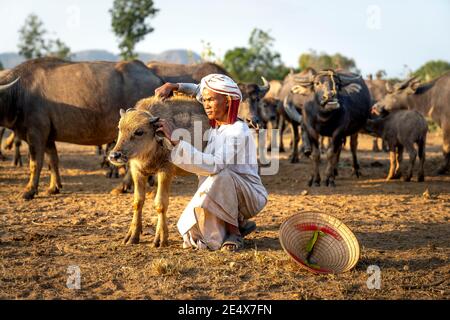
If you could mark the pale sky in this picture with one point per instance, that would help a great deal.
(378, 34)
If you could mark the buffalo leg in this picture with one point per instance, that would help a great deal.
(17, 160)
(315, 161)
(375, 147)
(333, 153)
(140, 183)
(412, 159)
(55, 178)
(36, 148)
(354, 150)
(282, 127)
(392, 163)
(398, 163)
(295, 140)
(306, 142)
(161, 204)
(446, 148)
(125, 185)
(421, 175)
(2, 132)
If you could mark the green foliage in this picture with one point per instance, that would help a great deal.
(248, 64)
(32, 43)
(208, 54)
(130, 23)
(432, 69)
(320, 61)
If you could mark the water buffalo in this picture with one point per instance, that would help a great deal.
(401, 129)
(431, 99)
(48, 99)
(147, 153)
(377, 89)
(187, 73)
(337, 106)
(294, 102)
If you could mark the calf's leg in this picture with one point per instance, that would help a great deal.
(412, 159)
(421, 175)
(161, 204)
(140, 183)
(354, 149)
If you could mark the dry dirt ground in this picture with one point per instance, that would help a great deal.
(400, 229)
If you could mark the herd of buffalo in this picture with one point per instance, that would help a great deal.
(47, 100)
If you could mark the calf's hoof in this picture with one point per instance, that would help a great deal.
(131, 238)
(157, 243)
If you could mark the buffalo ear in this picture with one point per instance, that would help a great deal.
(302, 89)
(389, 88)
(122, 113)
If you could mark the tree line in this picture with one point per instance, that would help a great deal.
(131, 23)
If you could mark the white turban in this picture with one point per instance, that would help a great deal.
(221, 84)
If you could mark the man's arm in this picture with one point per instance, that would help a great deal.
(190, 89)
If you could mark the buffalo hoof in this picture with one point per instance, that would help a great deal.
(397, 175)
(407, 179)
(356, 173)
(294, 159)
(441, 171)
(29, 195)
(330, 183)
(51, 191)
(420, 178)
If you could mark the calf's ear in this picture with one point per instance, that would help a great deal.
(413, 86)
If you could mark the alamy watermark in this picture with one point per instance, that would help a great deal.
(373, 21)
(74, 279)
(374, 280)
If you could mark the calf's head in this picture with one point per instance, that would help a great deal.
(137, 137)
(397, 96)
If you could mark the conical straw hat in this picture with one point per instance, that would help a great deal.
(319, 242)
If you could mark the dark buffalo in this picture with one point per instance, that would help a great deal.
(431, 99)
(187, 73)
(47, 100)
(293, 105)
(252, 95)
(337, 106)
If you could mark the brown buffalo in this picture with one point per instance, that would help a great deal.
(47, 100)
(184, 73)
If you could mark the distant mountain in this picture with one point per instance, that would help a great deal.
(11, 59)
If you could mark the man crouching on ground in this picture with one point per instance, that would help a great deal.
(230, 190)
